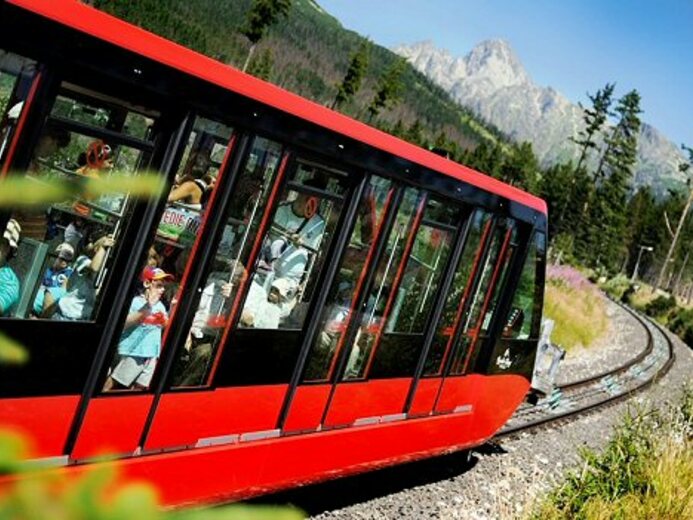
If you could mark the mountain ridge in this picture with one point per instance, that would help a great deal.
(492, 82)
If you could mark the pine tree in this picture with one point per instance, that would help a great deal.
(594, 119)
(398, 130)
(388, 90)
(262, 66)
(520, 167)
(262, 15)
(353, 78)
(618, 161)
(415, 134)
(642, 228)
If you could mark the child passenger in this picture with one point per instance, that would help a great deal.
(140, 343)
(55, 277)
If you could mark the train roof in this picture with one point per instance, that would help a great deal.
(99, 24)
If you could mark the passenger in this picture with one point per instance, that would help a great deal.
(80, 292)
(34, 222)
(301, 228)
(140, 343)
(154, 258)
(9, 282)
(74, 233)
(191, 188)
(99, 156)
(266, 311)
(55, 278)
(208, 324)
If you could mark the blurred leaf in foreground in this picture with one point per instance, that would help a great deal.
(12, 451)
(12, 352)
(98, 494)
(18, 190)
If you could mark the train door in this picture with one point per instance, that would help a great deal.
(65, 253)
(475, 312)
(384, 339)
(281, 234)
(117, 414)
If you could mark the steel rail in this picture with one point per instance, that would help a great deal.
(547, 417)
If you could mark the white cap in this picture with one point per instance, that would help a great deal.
(14, 112)
(283, 286)
(12, 232)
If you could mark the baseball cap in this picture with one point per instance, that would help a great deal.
(151, 274)
(65, 252)
(11, 233)
(283, 286)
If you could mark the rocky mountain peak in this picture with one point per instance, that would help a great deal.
(492, 82)
(495, 60)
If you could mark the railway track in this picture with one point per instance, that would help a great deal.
(578, 397)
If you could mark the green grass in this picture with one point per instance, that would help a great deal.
(646, 471)
(579, 314)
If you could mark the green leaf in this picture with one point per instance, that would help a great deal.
(11, 352)
(240, 512)
(21, 190)
(134, 502)
(12, 450)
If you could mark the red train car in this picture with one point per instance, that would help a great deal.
(313, 298)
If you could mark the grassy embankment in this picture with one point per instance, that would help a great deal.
(674, 313)
(646, 471)
(576, 306)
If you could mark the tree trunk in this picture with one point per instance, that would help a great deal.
(660, 278)
(249, 57)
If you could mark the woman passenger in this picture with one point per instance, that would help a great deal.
(192, 187)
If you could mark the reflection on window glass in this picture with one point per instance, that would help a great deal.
(156, 291)
(494, 269)
(420, 281)
(398, 348)
(16, 76)
(379, 292)
(101, 114)
(293, 250)
(220, 289)
(65, 248)
(521, 316)
(338, 308)
(457, 295)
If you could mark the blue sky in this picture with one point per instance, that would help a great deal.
(575, 46)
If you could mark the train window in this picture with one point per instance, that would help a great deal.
(157, 290)
(293, 250)
(514, 350)
(100, 114)
(458, 293)
(424, 266)
(228, 273)
(66, 247)
(522, 322)
(369, 328)
(17, 74)
(398, 348)
(493, 270)
(338, 308)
